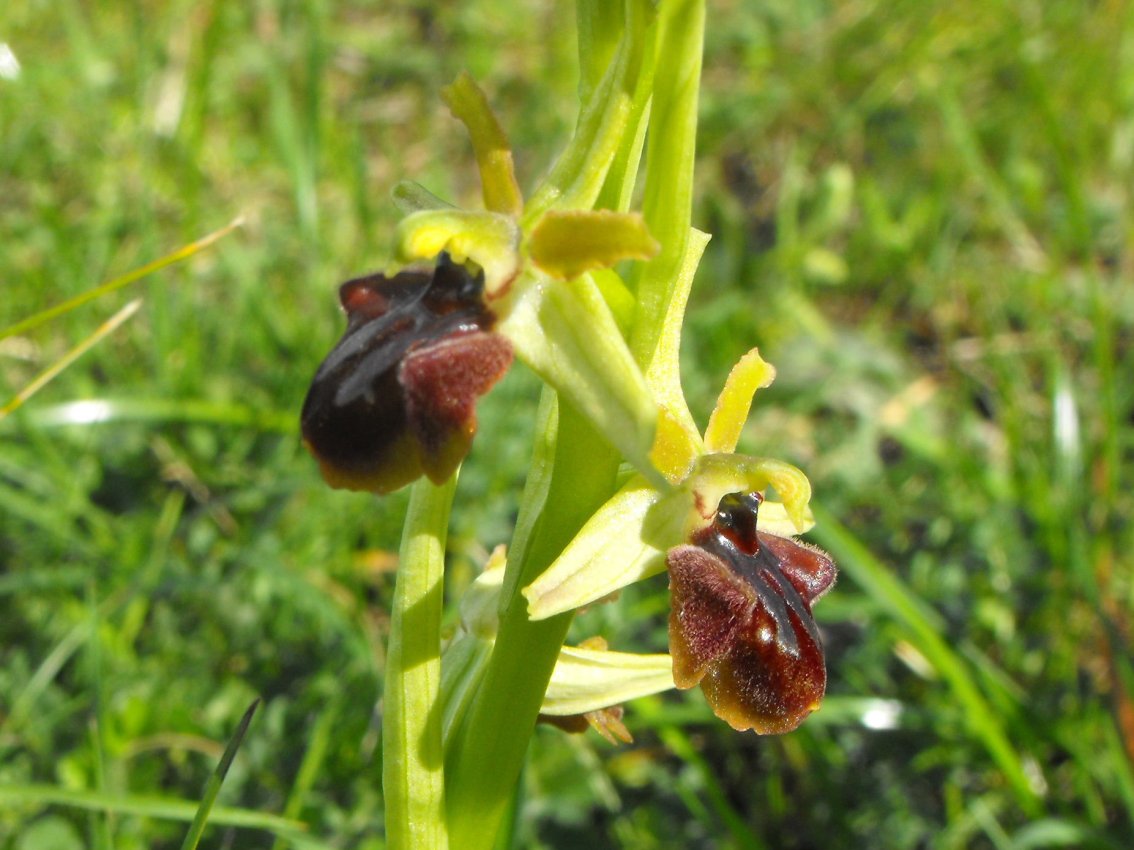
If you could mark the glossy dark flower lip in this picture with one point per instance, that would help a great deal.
(396, 397)
(741, 625)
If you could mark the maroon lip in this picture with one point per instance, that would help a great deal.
(741, 623)
(396, 397)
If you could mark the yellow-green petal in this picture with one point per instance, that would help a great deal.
(727, 421)
(490, 144)
(566, 243)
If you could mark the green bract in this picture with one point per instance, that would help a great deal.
(585, 678)
(565, 332)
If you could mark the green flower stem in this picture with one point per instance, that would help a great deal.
(486, 759)
(487, 754)
(578, 175)
(412, 757)
(600, 25)
(670, 155)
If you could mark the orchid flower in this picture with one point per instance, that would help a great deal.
(741, 623)
(396, 397)
(540, 280)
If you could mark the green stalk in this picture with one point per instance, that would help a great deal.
(413, 780)
(578, 175)
(599, 24)
(485, 760)
(487, 753)
(670, 155)
(618, 189)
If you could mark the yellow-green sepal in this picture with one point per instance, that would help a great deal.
(588, 680)
(625, 541)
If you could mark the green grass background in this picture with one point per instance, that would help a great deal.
(921, 213)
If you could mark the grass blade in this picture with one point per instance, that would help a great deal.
(117, 283)
(925, 631)
(51, 372)
(213, 786)
(146, 806)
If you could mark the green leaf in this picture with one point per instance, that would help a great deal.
(564, 244)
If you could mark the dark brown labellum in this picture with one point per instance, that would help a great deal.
(396, 398)
(741, 623)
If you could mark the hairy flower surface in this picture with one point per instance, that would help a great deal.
(396, 397)
(740, 623)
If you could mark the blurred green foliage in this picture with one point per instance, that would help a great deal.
(922, 214)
